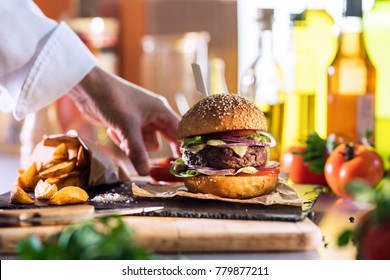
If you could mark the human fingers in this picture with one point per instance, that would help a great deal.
(175, 148)
(114, 137)
(167, 124)
(151, 139)
(131, 143)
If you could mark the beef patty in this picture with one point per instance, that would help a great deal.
(223, 157)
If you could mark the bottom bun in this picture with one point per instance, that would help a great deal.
(232, 186)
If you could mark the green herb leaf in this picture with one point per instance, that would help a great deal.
(345, 237)
(194, 140)
(361, 191)
(316, 151)
(256, 137)
(379, 197)
(105, 238)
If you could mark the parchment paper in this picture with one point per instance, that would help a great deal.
(105, 167)
(284, 194)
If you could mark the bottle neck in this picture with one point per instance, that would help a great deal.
(351, 37)
(265, 42)
(352, 25)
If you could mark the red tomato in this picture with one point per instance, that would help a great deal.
(161, 171)
(235, 133)
(375, 240)
(344, 164)
(260, 172)
(298, 169)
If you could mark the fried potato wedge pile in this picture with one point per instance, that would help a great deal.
(61, 180)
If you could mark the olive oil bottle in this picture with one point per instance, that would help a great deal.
(314, 46)
(351, 80)
(376, 27)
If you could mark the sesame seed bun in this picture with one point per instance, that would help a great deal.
(238, 187)
(222, 113)
(219, 113)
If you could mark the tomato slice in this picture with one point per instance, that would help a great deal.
(262, 172)
(236, 133)
(161, 171)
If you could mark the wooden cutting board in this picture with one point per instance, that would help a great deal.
(172, 234)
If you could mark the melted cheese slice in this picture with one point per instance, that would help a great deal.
(239, 150)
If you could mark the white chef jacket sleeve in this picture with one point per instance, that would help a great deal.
(40, 60)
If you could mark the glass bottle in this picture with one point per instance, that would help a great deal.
(299, 106)
(313, 47)
(376, 27)
(323, 42)
(261, 83)
(351, 80)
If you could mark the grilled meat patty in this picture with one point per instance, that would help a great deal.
(223, 157)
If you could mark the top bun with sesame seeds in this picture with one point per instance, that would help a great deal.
(225, 149)
(219, 113)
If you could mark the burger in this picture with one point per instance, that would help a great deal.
(225, 149)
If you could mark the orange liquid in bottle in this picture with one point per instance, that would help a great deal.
(351, 85)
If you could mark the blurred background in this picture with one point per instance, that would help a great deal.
(284, 55)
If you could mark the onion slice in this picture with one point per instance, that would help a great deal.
(269, 135)
(231, 171)
(211, 171)
(270, 165)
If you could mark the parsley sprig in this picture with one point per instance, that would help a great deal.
(379, 197)
(317, 151)
(105, 238)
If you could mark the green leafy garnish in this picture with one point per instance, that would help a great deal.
(367, 137)
(256, 137)
(317, 151)
(379, 197)
(101, 239)
(194, 140)
(180, 169)
(345, 237)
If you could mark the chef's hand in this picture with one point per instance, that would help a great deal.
(132, 114)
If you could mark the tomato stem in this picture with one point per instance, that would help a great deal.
(350, 151)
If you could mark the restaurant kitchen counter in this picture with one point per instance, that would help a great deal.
(331, 214)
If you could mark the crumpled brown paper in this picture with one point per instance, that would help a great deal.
(283, 194)
(105, 167)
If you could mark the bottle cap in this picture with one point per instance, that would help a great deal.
(265, 18)
(297, 17)
(353, 8)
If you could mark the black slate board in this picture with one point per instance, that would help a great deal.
(197, 208)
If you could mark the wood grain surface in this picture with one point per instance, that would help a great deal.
(172, 234)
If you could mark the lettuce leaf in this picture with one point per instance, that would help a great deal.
(182, 170)
(194, 140)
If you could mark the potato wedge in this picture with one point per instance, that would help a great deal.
(61, 152)
(69, 195)
(82, 161)
(73, 178)
(28, 179)
(19, 196)
(46, 165)
(71, 181)
(58, 169)
(54, 180)
(44, 190)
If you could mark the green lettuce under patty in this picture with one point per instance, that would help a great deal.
(182, 170)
